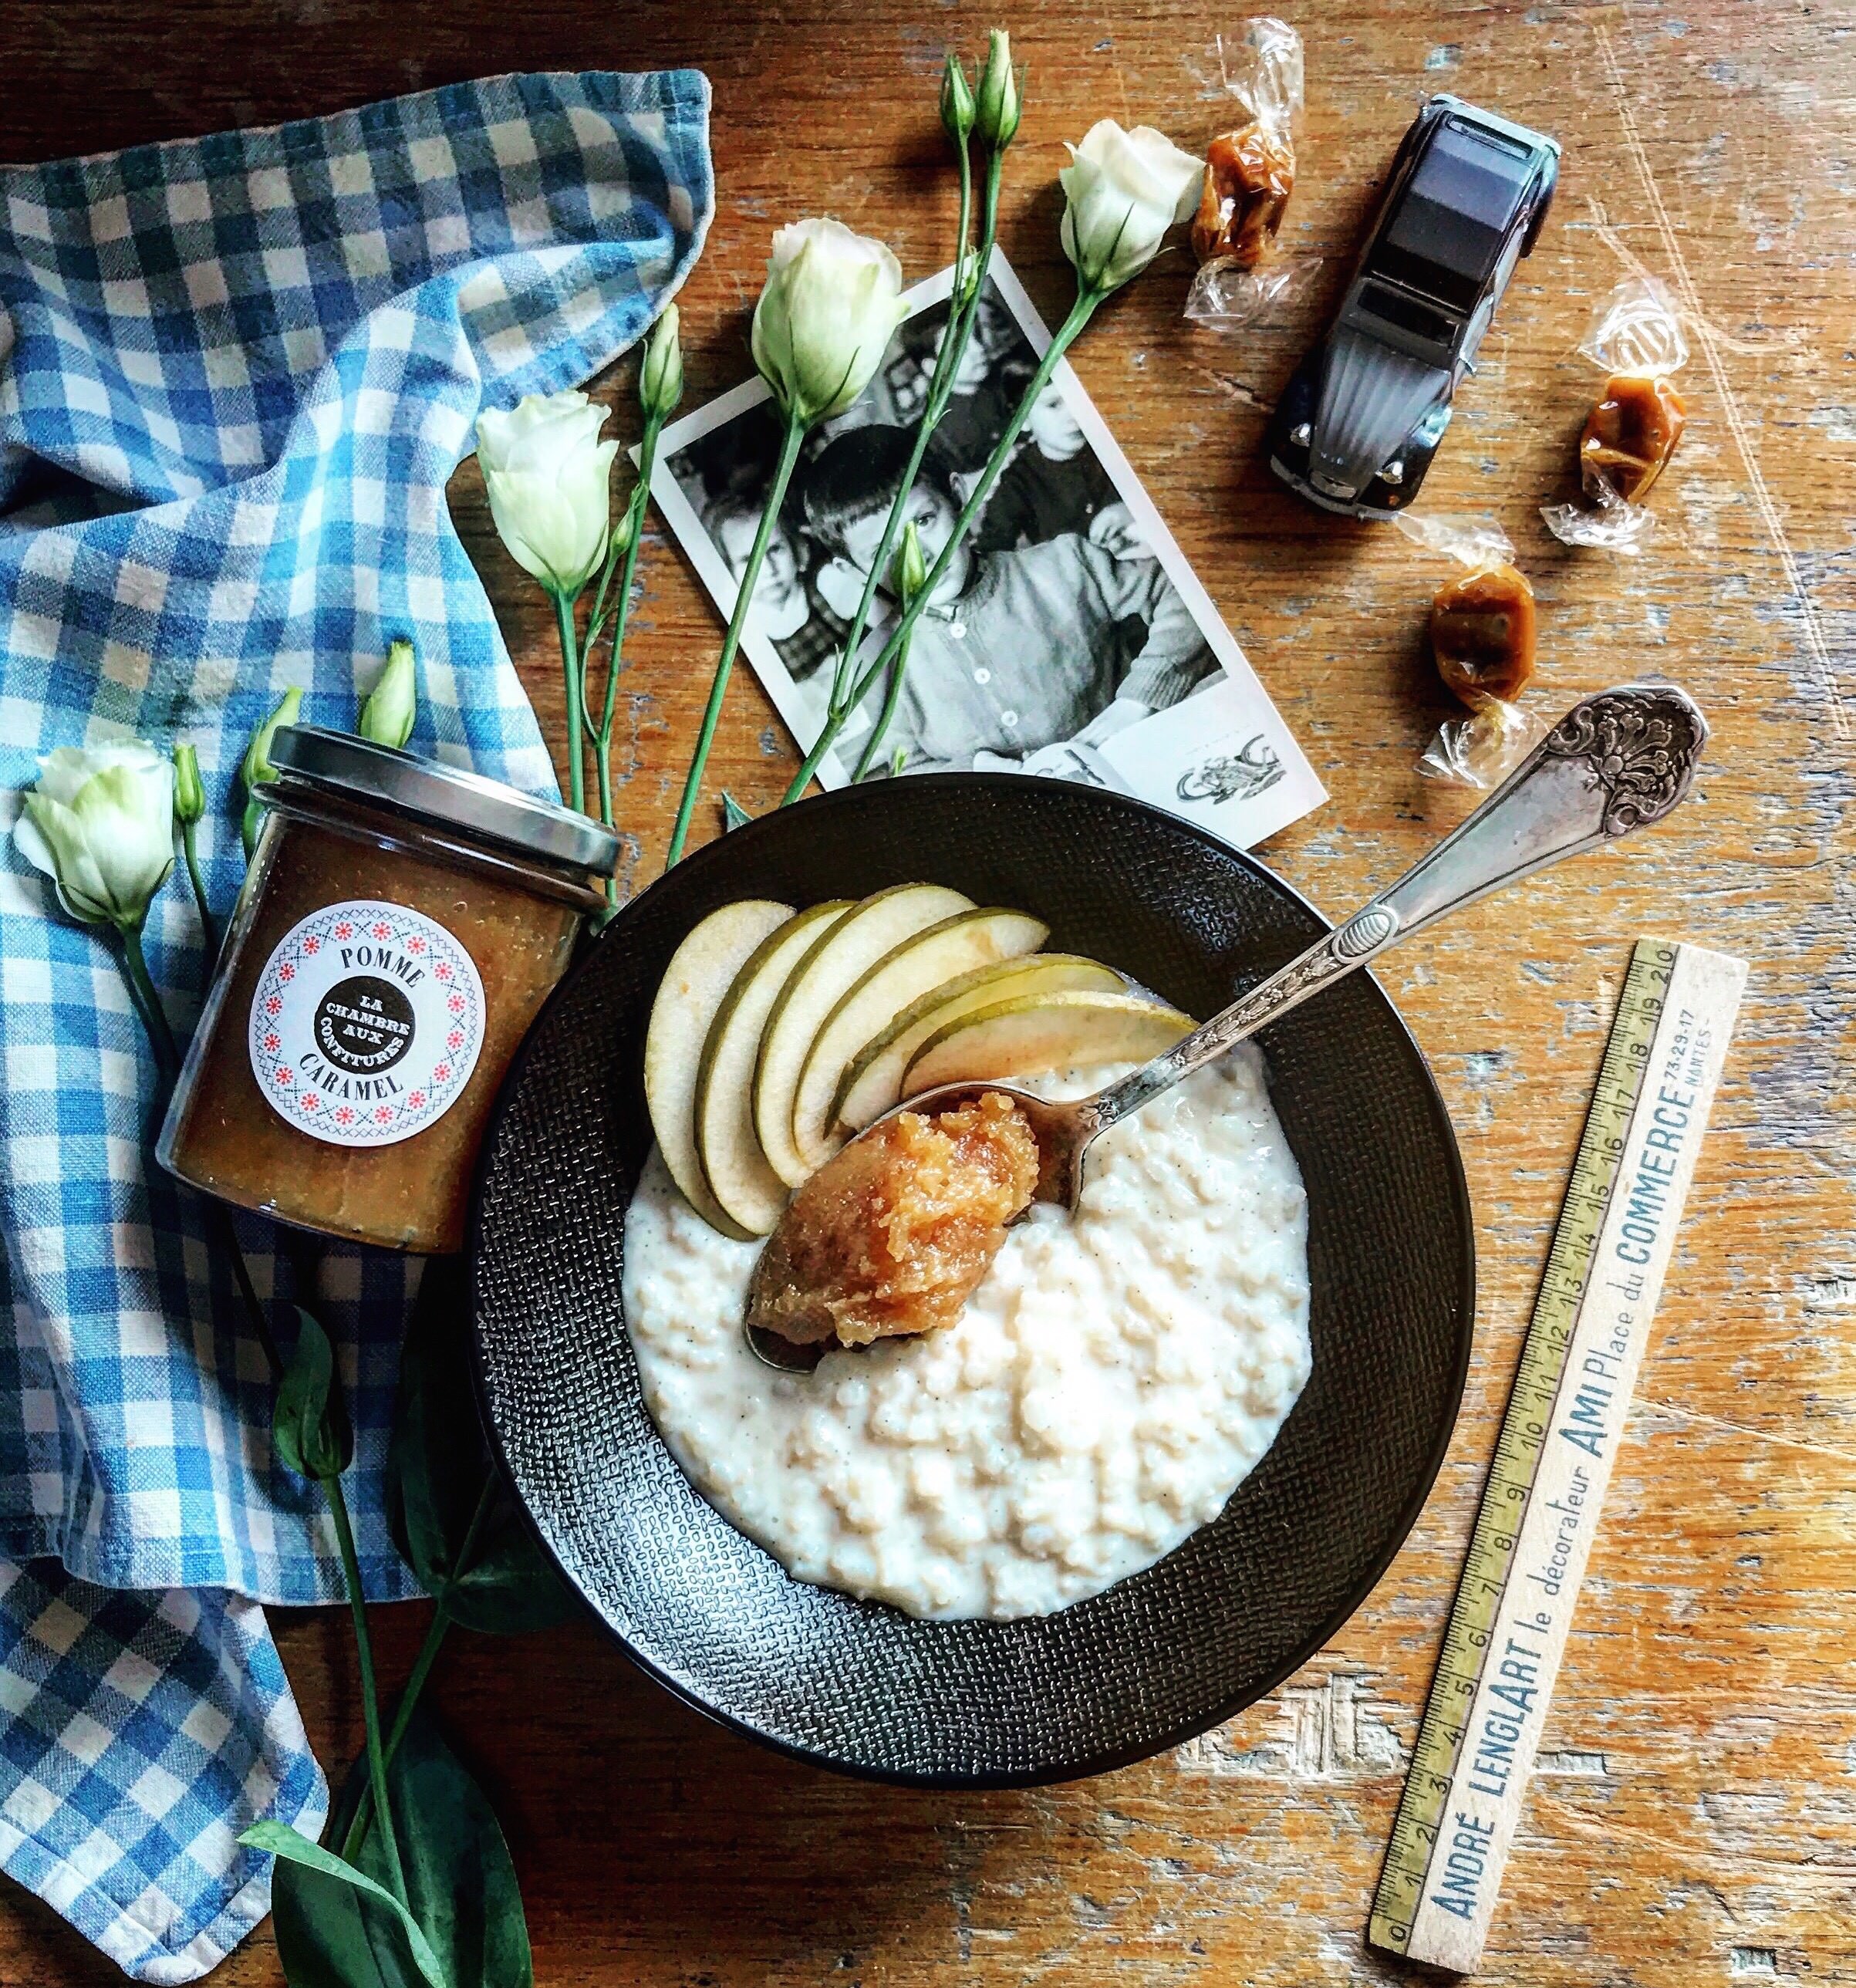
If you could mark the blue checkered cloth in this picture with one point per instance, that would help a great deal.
(234, 376)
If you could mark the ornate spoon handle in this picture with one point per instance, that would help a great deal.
(1618, 761)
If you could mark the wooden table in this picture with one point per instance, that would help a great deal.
(1693, 1819)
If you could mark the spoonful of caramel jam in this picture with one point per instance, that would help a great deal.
(893, 1234)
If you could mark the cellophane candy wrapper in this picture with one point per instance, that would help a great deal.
(1225, 297)
(1250, 175)
(1477, 542)
(1635, 338)
(1480, 749)
(1615, 526)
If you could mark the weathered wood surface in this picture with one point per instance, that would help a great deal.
(1694, 1819)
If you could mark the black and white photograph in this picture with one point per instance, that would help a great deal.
(1067, 636)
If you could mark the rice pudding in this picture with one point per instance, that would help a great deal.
(1115, 1377)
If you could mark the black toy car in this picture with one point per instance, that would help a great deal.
(1356, 428)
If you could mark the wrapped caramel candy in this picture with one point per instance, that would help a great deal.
(1635, 425)
(1482, 637)
(1629, 435)
(1482, 634)
(1250, 175)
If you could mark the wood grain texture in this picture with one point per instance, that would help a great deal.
(1694, 1817)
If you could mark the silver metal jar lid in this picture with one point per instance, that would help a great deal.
(444, 797)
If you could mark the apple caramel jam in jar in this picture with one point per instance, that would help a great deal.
(401, 924)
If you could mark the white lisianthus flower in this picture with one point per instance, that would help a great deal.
(832, 303)
(549, 477)
(101, 825)
(1122, 190)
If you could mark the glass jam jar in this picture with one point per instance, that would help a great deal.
(401, 924)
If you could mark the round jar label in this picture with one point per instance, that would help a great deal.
(366, 1024)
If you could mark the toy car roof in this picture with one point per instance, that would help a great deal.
(1468, 174)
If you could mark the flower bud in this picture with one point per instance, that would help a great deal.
(660, 373)
(101, 825)
(548, 477)
(832, 303)
(256, 771)
(387, 718)
(998, 109)
(1122, 191)
(189, 795)
(956, 100)
(911, 568)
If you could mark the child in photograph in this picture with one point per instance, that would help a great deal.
(1019, 648)
(804, 631)
(1054, 484)
(993, 370)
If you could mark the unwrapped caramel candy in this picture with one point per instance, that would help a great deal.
(1250, 175)
(1482, 634)
(1629, 435)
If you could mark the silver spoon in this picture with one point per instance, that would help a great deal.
(1618, 761)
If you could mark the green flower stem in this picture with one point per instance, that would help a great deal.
(600, 733)
(946, 367)
(1080, 311)
(621, 612)
(422, 1664)
(370, 1708)
(615, 551)
(435, 1633)
(570, 668)
(989, 235)
(598, 615)
(211, 931)
(148, 1004)
(744, 599)
(892, 697)
(940, 392)
(602, 778)
(625, 552)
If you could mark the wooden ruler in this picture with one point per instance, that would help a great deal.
(1553, 1460)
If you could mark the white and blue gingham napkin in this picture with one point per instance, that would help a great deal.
(234, 376)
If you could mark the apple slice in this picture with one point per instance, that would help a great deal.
(695, 984)
(956, 946)
(872, 1084)
(746, 1189)
(1033, 1033)
(835, 965)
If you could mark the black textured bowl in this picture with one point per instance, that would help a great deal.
(1161, 1656)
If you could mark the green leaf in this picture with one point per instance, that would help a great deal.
(336, 1927)
(310, 1424)
(733, 814)
(460, 1881)
(436, 1472)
